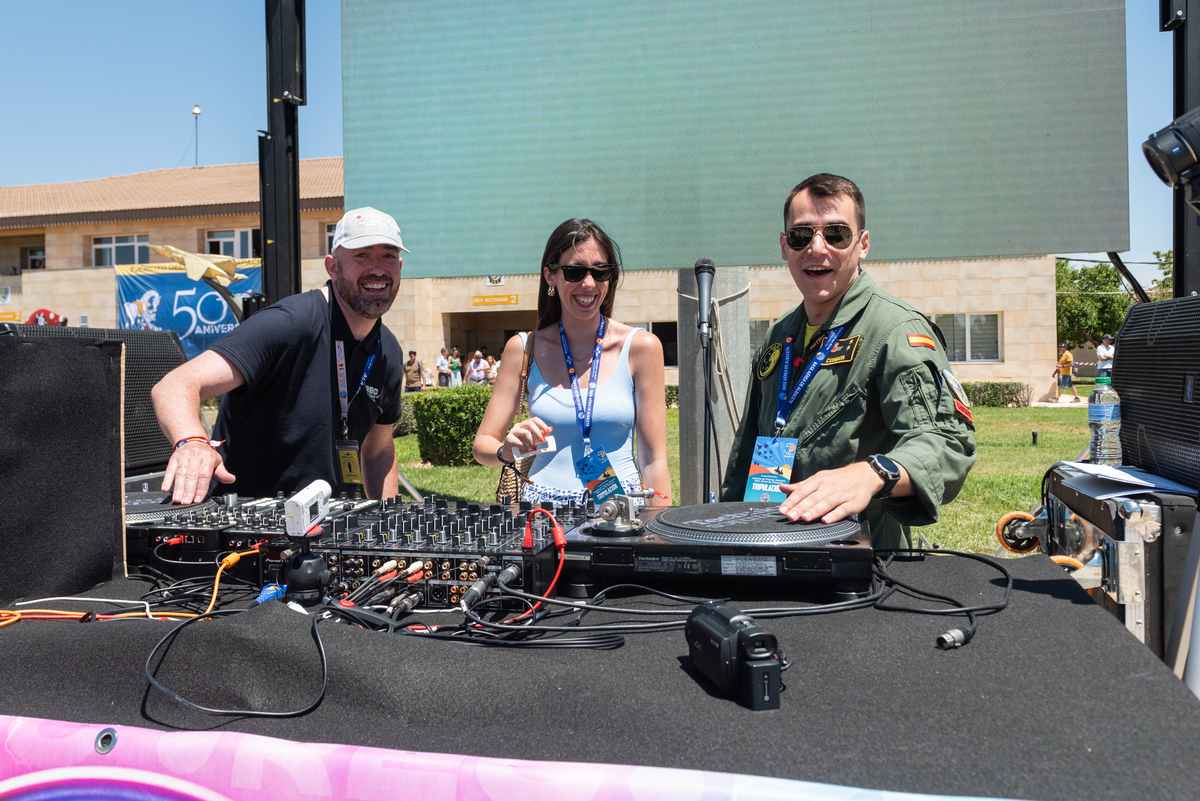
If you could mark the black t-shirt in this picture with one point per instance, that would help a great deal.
(280, 426)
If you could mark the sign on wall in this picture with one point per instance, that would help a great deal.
(160, 297)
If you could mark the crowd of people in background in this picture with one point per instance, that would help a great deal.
(453, 368)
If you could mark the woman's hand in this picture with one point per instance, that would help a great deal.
(525, 436)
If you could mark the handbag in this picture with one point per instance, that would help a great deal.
(511, 476)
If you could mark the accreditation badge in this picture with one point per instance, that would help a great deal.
(770, 466)
(599, 476)
(347, 452)
(768, 361)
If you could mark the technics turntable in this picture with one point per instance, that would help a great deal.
(719, 541)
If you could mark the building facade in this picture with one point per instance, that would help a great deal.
(59, 243)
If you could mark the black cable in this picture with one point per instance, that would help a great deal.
(316, 635)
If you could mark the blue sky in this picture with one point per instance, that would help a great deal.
(92, 93)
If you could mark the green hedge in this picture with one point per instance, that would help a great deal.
(446, 423)
(407, 424)
(672, 396)
(998, 394)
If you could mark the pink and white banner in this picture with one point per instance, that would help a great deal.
(50, 759)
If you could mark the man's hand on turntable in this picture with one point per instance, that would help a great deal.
(833, 495)
(191, 469)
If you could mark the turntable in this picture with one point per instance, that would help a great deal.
(721, 541)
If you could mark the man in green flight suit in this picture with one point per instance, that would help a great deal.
(880, 427)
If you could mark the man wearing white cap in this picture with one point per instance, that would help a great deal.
(311, 384)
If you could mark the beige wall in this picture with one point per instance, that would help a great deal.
(73, 293)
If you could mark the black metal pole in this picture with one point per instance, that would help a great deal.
(707, 355)
(1173, 16)
(278, 151)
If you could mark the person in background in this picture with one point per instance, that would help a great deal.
(455, 368)
(1066, 366)
(1104, 356)
(491, 368)
(477, 370)
(443, 369)
(412, 373)
(593, 381)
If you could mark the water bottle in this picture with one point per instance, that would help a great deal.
(1104, 417)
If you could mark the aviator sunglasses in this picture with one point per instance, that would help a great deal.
(838, 236)
(574, 273)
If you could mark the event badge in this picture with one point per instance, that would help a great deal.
(770, 467)
(347, 451)
(598, 476)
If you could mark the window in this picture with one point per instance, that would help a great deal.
(240, 244)
(758, 334)
(109, 251)
(36, 259)
(329, 231)
(84, 321)
(970, 337)
(668, 334)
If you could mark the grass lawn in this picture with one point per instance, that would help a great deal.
(1007, 475)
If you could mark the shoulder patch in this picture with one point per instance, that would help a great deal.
(921, 341)
(768, 361)
(964, 411)
(956, 389)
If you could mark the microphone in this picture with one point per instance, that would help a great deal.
(704, 279)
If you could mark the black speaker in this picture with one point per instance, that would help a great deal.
(60, 464)
(1154, 371)
(149, 355)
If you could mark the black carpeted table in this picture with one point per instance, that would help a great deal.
(1052, 699)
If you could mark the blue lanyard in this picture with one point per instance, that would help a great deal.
(787, 402)
(341, 370)
(584, 413)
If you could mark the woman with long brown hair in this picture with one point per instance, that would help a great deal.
(594, 382)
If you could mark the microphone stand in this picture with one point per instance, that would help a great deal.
(706, 356)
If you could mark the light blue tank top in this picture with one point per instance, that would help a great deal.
(613, 419)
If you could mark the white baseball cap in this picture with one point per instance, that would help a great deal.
(360, 228)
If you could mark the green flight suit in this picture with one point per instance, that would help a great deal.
(880, 391)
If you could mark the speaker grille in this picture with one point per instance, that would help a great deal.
(1155, 370)
(149, 355)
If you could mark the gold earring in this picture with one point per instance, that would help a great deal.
(550, 291)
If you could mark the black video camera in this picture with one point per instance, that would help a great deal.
(735, 653)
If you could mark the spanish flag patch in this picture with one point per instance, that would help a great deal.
(921, 341)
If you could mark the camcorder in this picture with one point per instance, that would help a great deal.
(735, 654)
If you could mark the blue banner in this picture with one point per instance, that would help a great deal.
(160, 297)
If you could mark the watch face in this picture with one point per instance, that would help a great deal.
(887, 464)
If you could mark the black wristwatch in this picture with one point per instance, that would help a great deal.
(888, 470)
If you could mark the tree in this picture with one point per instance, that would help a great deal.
(1163, 288)
(1092, 302)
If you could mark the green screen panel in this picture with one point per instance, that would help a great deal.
(973, 129)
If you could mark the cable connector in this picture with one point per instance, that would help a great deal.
(413, 568)
(271, 592)
(954, 638)
(509, 574)
(477, 591)
(385, 567)
(231, 560)
(173, 541)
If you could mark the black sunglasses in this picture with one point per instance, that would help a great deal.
(574, 273)
(836, 236)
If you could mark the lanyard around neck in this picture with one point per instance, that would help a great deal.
(788, 401)
(583, 413)
(343, 397)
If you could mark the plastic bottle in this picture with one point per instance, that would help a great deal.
(1104, 417)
